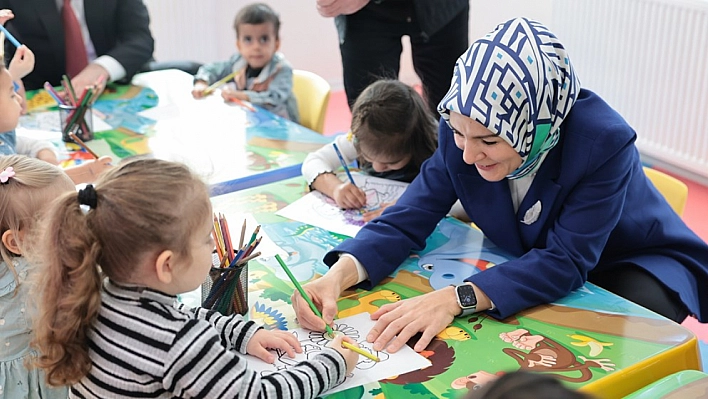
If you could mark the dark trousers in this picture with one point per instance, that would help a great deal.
(372, 50)
(641, 287)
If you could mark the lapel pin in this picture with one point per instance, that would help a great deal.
(532, 213)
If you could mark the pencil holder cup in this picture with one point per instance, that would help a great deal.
(225, 290)
(78, 120)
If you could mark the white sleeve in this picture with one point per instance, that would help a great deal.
(325, 159)
(114, 68)
(31, 147)
(361, 272)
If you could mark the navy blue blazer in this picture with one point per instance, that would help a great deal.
(599, 211)
(118, 28)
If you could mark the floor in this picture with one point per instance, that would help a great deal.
(695, 215)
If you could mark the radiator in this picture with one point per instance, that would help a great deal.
(649, 60)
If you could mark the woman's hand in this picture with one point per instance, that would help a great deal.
(349, 196)
(429, 314)
(324, 293)
(263, 340)
(371, 215)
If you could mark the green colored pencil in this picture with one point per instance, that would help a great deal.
(304, 294)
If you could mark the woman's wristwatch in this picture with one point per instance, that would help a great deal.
(466, 298)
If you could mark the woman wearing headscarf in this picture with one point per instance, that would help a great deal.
(550, 173)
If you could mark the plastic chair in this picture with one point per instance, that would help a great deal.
(312, 94)
(674, 190)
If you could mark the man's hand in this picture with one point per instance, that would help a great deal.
(332, 8)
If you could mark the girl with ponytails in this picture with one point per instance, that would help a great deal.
(116, 255)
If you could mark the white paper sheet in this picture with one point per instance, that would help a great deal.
(319, 210)
(366, 371)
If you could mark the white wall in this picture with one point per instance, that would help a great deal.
(201, 30)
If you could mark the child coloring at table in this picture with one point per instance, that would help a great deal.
(262, 76)
(146, 227)
(392, 133)
(27, 186)
(10, 110)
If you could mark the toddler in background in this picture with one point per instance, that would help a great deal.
(392, 133)
(146, 227)
(27, 186)
(263, 76)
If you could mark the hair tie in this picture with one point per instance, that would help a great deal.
(6, 174)
(87, 196)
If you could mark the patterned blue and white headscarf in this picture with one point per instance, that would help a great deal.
(519, 83)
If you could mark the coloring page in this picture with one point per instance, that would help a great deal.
(355, 327)
(319, 210)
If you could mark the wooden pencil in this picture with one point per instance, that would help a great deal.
(220, 82)
(83, 145)
(243, 234)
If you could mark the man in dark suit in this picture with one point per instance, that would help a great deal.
(118, 46)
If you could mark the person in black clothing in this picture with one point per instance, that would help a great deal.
(370, 41)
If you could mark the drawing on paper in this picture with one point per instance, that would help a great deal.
(319, 210)
(366, 370)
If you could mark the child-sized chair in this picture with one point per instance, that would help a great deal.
(674, 190)
(312, 94)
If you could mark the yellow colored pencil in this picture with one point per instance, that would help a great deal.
(360, 351)
(220, 82)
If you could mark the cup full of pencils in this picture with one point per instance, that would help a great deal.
(75, 111)
(76, 120)
(226, 288)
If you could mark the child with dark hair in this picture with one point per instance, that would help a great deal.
(263, 76)
(392, 133)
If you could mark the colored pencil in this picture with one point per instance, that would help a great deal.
(220, 82)
(48, 87)
(249, 257)
(317, 312)
(243, 234)
(243, 103)
(255, 233)
(9, 36)
(360, 351)
(83, 145)
(304, 294)
(344, 164)
(69, 89)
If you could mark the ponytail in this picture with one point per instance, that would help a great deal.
(140, 208)
(71, 293)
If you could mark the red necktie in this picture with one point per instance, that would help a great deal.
(76, 58)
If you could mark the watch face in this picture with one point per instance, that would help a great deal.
(466, 295)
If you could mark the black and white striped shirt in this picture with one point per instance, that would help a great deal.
(143, 346)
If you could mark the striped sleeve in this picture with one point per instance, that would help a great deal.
(234, 331)
(198, 366)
